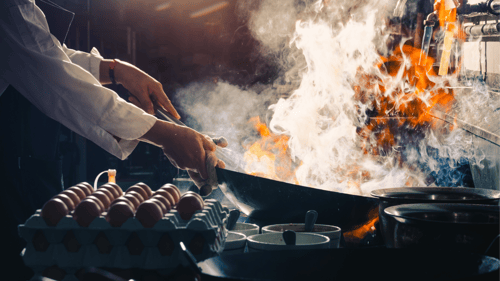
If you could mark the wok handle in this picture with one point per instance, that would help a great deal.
(493, 245)
(190, 258)
(220, 153)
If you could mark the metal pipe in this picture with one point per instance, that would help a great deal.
(490, 6)
(482, 29)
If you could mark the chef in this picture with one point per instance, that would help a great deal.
(40, 77)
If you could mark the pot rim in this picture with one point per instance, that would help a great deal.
(252, 242)
(334, 228)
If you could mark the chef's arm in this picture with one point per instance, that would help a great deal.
(143, 87)
(185, 148)
(36, 66)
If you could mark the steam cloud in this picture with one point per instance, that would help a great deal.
(322, 47)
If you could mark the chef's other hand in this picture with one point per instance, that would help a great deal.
(206, 185)
(143, 87)
(184, 147)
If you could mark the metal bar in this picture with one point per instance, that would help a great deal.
(475, 130)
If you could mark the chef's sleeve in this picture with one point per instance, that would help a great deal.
(37, 66)
(88, 61)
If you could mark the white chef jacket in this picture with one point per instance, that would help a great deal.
(63, 83)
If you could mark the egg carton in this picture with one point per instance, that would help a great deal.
(71, 247)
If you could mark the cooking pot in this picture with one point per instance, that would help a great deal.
(409, 195)
(352, 264)
(330, 231)
(268, 201)
(275, 242)
(464, 227)
(247, 229)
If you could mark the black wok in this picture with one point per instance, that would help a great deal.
(352, 264)
(269, 201)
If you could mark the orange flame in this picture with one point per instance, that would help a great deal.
(401, 100)
(270, 155)
(361, 231)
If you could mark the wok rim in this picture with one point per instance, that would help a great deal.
(396, 212)
(388, 193)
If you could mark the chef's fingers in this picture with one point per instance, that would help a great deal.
(220, 141)
(202, 169)
(146, 103)
(221, 164)
(208, 143)
(164, 101)
(196, 178)
(134, 101)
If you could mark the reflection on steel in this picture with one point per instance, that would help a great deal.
(212, 9)
(426, 42)
(163, 6)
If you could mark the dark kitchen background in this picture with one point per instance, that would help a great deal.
(176, 42)
(180, 42)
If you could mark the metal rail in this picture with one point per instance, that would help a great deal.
(475, 130)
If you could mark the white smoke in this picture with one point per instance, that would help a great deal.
(221, 109)
(323, 46)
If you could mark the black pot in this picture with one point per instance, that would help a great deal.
(411, 195)
(466, 227)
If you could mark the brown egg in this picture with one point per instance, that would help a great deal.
(108, 192)
(136, 195)
(173, 192)
(53, 211)
(88, 190)
(97, 201)
(172, 186)
(86, 212)
(148, 214)
(88, 186)
(188, 205)
(71, 194)
(139, 190)
(103, 198)
(146, 188)
(117, 187)
(78, 192)
(119, 213)
(122, 200)
(195, 195)
(167, 196)
(133, 199)
(164, 201)
(162, 206)
(67, 201)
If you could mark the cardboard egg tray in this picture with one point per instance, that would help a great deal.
(71, 247)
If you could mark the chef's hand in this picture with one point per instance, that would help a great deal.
(144, 88)
(184, 147)
(207, 184)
